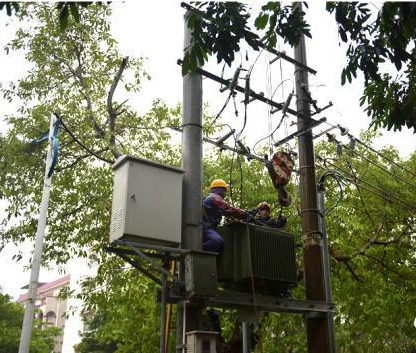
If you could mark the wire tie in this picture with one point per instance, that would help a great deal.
(192, 124)
(306, 166)
(310, 209)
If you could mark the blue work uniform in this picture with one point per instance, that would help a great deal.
(214, 207)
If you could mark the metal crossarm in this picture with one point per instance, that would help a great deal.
(251, 93)
(313, 124)
(228, 299)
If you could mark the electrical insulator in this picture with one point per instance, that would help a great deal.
(287, 103)
(352, 144)
(339, 149)
(343, 130)
(226, 136)
(331, 137)
(233, 82)
(247, 90)
(244, 149)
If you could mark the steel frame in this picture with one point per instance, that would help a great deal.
(225, 298)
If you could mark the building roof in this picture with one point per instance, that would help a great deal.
(39, 284)
(60, 282)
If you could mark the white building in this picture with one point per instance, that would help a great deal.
(52, 309)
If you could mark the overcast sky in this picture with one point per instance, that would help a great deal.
(142, 28)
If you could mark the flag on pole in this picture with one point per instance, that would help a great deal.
(55, 145)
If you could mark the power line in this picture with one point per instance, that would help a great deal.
(352, 137)
(383, 169)
(383, 194)
(381, 155)
(269, 135)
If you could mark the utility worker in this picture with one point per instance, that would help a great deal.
(263, 216)
(213, 208)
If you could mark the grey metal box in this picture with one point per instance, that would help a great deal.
(263, 255)
(147, 202)
(201, 341)
(201, 274)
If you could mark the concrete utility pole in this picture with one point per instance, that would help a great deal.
(189, 318)
(316, 326)
(37, 255)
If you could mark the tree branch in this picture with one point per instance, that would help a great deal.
(356, 277)
(382, 263)
(95, 154)
(111, 111)
(78, 74)
(79, 158)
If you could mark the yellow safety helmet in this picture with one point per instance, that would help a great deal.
(262, 205)
(219, 183)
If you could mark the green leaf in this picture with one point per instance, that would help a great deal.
(75, 11)
(261, 21)
(63, 16)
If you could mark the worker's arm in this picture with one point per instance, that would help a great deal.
(227, 209)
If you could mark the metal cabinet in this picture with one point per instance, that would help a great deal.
(147, 202)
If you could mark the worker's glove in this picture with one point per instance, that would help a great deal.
(250, 218)
(281, 221)
(253, 211)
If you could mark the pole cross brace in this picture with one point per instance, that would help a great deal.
(135, 249)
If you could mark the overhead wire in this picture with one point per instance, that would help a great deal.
(221, 111)
(382, 156)
(283, 89)
(269, 89)
(382, 168)
(238, 135)
(262, 139)
(338, 178)
(231, 171)
(249, 71)
(372, 149)
(280, 84)
(375, 189)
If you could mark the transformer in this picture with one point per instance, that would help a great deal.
(256, 254)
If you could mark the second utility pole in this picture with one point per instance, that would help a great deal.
(189, 316)
(316, 326)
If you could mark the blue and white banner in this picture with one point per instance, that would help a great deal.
(55, 144)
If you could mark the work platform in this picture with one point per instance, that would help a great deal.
(152, 261)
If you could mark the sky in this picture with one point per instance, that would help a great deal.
(143, 30)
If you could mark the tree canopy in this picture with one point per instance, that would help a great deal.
(78, 73)
(11, 319)
(372, 41)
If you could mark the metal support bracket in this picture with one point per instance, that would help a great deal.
(136, 249)
(228, 299)
(312, 124)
